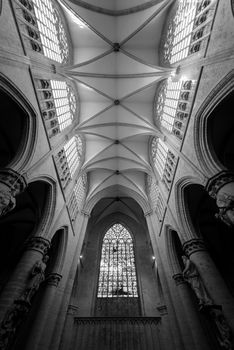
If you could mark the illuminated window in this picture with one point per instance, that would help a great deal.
(155, 197)
(173, 104)
(68, 159)
(164, 161)
(189, 29)
(43, 28)
(78, 196)
(117, 276)
(58, 104)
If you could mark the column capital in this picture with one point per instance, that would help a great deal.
(38, 243)
(53, 279)
(215, 183)
(179, 279)
(193, 245)
(85, 213)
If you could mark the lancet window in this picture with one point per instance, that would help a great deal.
(78, 196)
(117, 274)
(173, 105)
(68, 159)
(155, 197)
(42, 28)
(164, 161)
(58, 104)
(189, 29)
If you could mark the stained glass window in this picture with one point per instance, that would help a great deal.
(43, 28)
(117, 276)
(188, 29)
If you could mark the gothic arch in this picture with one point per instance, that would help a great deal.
(17, 142)
(173, 250)
(206, 154)
(184, 219)
(58, 250)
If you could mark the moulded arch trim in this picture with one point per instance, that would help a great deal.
(131, 193)
(49, 211)
(171, 251)
(27, 148)
(204, 151)
(61, 253)
(187, 229)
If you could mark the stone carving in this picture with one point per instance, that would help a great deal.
(191, 275)
(37, 276)
(7, 200)
(53, 279)
(11, 184)
(178, 278)
(193, 245)
(39, 244)
(222, 329)
(225, 204)
(13, 318)
(221, 188)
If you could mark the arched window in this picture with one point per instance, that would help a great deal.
(42, 28)
(164, 161)
(78, 196)
(189, 29)
(68, 159)
(117, 275)
(58, 104)
(155, 197)
(173, 103)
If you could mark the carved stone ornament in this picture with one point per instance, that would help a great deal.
(178, 278)
(39, 244)
(53, 279)
(72, 310)
(192, 276)
(193, 245)
(35, 278)
(162, 309)
(12, 320)
(11, 184)
(221, 188)
(221, 329)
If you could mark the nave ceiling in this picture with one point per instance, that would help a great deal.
(116, 69)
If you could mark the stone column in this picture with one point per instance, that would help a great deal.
(11, 184)
(36, 248)
(200, 341)
(212, 280)
(221, 188)
(45, 316)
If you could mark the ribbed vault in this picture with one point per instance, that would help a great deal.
(115, 67)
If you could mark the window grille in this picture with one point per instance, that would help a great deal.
(42, 27)
(189, 29)
(164, 161)
(58, 104)
(68, 159)
(117, 275)
(78, 196)
(173, 105)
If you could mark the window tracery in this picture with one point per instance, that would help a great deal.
(164, 161)
(78, 196)
(173, 105)
(188, 30)
(155, 197)
(43, 28)
(58, 104)
(117, 275)
(68, 159)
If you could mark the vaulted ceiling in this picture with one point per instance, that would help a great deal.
(116, 70)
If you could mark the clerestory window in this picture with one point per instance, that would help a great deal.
(42, 27)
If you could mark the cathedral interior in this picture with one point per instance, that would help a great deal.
(116, 185)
